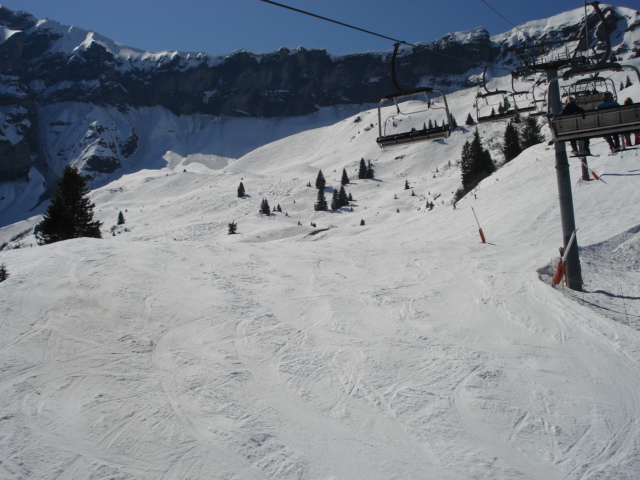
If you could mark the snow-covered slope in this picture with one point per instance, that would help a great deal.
(399, 349)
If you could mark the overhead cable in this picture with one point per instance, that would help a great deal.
(394, 40)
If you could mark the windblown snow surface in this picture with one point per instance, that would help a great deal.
(403, 348)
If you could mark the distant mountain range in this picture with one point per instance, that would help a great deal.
(71, 96)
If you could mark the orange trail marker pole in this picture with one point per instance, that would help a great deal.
(562, 264)
(593, 173)
(479, 227)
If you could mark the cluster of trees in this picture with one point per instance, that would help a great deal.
(365, 171)
(476, 163)
(515, 141)
(627, 84)
(70, 214)
(340, 197)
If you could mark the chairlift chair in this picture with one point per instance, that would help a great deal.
(494, 105)
(588, 91)
(498, 105)
(595, 123)
(418, 115)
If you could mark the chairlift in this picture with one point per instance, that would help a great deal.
(412, 115)
(416, 115)
(592, 122)
(494, 105)
(595, 123)
(588, 91)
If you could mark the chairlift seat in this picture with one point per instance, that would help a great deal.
(435, 133)
(498, 116)
(596, 123)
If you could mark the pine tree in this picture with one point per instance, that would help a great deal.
(241, 190)
(345, 177)
(530, 134)
(3, 273)
(406, 185)
(335, 202)
(320, 181)
(265, 209)
(343, 200)
(362, 222)
(278, 208)
(321, 204)
(470, 121)
(233, 227)
(362, 170)
(628, 84)
(370, 171)
(452, 122)
(120, 219)
(511, 145)
(70, 214)
(476, 163)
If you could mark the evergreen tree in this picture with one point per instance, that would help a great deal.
(233, 227)
(70, 214)
(430, 126)
(321, 204)
(628, 84)
(470, 121)
(345, 177)
(265, 209)
(335, 202)
(343, 200)
(452, 122)
(530, 134)
(362, 222)
(349, 197)
(511, 145)
(3, 273)
(241, 190)
(370, 171)
(362, 170)
(476, 163)
(120, 219)
(320, 181)
(406, 185)
(279, 208)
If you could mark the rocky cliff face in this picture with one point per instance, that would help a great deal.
(44, 63)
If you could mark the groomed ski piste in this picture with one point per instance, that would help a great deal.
(401, 347)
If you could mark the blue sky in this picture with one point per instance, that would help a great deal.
(221, 26)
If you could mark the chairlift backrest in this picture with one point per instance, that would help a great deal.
(415, 116)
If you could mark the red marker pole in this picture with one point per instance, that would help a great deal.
(479, 227)
(595, 175)
(562, 264)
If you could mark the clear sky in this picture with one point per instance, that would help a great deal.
(221, 26)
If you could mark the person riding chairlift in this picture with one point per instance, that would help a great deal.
(571, 108)
(609, 102)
